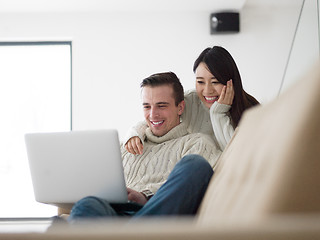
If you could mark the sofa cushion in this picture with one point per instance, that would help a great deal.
(272, 164)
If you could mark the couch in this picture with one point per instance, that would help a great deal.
(266, 184)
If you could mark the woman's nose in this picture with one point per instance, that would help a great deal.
(209, 88)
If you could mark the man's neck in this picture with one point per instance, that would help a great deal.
(176, 132)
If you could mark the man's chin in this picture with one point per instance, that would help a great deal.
(157, 133)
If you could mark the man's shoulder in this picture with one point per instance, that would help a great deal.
(200, 143)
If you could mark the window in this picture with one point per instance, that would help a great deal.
(35, 96)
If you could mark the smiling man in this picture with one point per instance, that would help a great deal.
(166, 143)
(167, 139)
(162, 109)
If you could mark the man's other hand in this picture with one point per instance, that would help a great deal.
(135, 196)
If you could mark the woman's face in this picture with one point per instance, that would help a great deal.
(207, 86)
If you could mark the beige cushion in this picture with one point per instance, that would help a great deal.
(272, 164)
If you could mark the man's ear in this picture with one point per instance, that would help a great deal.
(181, 106)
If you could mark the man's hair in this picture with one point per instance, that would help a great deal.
(166, 78)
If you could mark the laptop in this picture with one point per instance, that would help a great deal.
(67, 166)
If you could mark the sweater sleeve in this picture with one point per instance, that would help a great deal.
(221, 123)
(139, 130)
(192, 115)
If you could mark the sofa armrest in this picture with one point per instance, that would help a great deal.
(273, 228)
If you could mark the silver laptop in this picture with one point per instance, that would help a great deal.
(67, 166)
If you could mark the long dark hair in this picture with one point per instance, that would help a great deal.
(221, 64)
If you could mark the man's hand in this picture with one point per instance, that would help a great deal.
(135, 196)
(134, 146)
(227, 94)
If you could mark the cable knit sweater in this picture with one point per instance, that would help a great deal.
(160, 154)
(215, 122)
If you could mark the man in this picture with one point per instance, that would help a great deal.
(168, 149)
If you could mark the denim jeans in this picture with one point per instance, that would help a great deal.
(180, 195)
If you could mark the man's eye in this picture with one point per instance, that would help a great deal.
(162, 106)
(146, 107)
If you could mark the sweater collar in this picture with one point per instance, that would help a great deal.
(176, 132)
(202, 105)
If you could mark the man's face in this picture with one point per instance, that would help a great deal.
(160, 110)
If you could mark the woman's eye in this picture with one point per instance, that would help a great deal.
(200, 82)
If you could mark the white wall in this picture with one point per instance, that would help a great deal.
(114, 51)
(305, 47)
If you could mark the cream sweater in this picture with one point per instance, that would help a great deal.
(160, 154)
(215, 121)
(198, 118)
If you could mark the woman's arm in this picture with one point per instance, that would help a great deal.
(221, 123)
(135, 137)
(196, 115)
(193, 117)
(220, 118)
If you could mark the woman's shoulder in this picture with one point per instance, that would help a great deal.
(190, 93)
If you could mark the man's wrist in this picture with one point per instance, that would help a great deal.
(147, 194)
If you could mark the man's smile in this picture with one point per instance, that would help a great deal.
(157, 123)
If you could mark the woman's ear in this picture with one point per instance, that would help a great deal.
(181, 106)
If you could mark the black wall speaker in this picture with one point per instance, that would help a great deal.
(224, 22)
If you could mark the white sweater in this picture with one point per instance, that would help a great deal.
(160, 154)
(215, 122)
(198, 118)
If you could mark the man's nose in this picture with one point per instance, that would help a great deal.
(154, 113)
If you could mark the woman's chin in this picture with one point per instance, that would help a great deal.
(209, 104)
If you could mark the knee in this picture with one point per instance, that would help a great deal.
(193, 157)
(88, 201)
(90, 207)
(86, 204)
(197, 163)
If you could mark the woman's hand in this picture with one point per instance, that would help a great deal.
(135, 196)
(134, 145)
(227, 94)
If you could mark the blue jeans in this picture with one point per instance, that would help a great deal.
(180, 195)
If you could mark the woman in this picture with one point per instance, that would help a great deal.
(217, 104)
